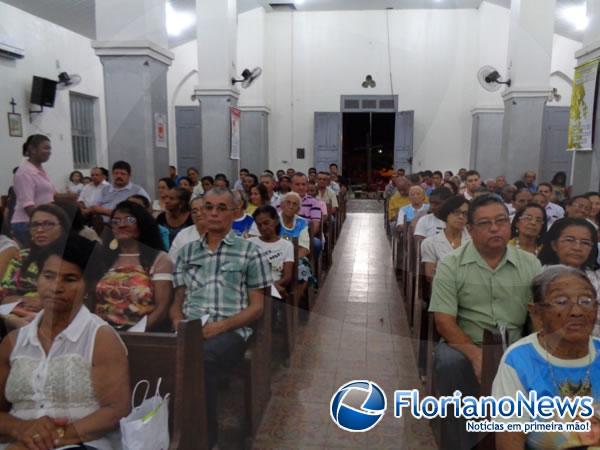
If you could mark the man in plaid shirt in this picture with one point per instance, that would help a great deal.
(223, 276)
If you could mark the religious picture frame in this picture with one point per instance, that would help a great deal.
(15, 125)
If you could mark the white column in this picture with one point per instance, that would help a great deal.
(217, 39)
(529, 58)
(586, 165)
(132, 46)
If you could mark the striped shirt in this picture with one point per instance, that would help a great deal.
(310, 208)
(217, 283)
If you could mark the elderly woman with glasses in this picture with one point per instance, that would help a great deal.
(571, 242)
(561, 360)
(138, 278)
(528, 228)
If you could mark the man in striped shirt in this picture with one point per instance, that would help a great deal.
(309, 209)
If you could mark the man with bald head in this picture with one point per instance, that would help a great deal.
(407, 213)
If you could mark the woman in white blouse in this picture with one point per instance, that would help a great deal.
(64, 377)
(433, 249)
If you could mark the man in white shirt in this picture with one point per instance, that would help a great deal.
(193, 232)
(91, 194)
(429, 224)
(268, 181)
(326, 194)
(553, 211)
(472, 183)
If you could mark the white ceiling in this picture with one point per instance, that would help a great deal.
(78, 15)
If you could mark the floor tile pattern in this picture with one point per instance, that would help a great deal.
(358, 330)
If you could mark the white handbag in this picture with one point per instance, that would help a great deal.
(147, 426)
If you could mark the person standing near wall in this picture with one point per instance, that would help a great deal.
(32, 185)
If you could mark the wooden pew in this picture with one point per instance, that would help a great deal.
(493, 349)
(255, 370)
(178, 360)
(420, 329)
(290, 307)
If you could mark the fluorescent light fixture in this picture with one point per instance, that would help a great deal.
(298, 2)
(178, 22)
(576, 15)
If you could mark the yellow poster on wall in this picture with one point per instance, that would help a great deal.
(583, 100)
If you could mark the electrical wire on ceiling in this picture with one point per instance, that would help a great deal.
(389, 50)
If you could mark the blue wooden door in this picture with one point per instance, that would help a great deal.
(403, 140)
(327, 143)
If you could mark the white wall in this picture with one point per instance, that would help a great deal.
(46, 47)
(310, 59)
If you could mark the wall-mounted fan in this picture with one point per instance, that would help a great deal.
(248, 77)
(68, 80)
(554, 96)
(489, 79)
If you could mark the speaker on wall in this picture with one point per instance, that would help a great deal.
(43, 91)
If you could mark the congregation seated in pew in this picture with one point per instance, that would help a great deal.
(137, 277)
(484, 284)
(429, 224)
(193, 232)
(64, 376)
(417, 204)
(224, 277)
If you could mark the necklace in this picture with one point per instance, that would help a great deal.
(129, 254)
(454, 243)
(535, 250)
(568, 388)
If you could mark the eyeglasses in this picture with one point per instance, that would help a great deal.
(459, 213)
(498, 221)
(570, 240)
(208, 207)
(128, 220)
(45, 225)
(530, 218)
(564, 303)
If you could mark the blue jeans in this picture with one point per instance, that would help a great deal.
(20, 232)
(221, 354)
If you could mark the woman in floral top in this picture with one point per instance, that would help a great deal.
(138, 280)
(48, 225)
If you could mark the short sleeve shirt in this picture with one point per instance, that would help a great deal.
(310, 209)
(437, 247)
(277, 253)
(217, 283)
(329, 197)
(408, 213)
(464, 286)
(429, 225)
(33, 187)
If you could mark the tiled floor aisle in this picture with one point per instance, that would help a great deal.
(358, 330)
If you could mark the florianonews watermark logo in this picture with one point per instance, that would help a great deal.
(358, 406)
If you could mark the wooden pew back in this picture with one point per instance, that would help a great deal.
(178, 360)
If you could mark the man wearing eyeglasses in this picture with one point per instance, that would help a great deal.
(483, 284)
(223, 276)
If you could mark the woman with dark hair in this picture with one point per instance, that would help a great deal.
(434, 248)
(32, 185)
(138, 279)
(528, 228)
(186, 183)
(75, 184)
(451, 186)
(49, 225)
(258, 196)
(560, 189)
(572, 242)
(164, 186)
(278, 251)
(64, 377)
(177, 214)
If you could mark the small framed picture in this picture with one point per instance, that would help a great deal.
(15, 125)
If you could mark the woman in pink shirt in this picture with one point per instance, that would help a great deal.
(32, 186)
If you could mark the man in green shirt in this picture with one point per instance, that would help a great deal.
(483, 284)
